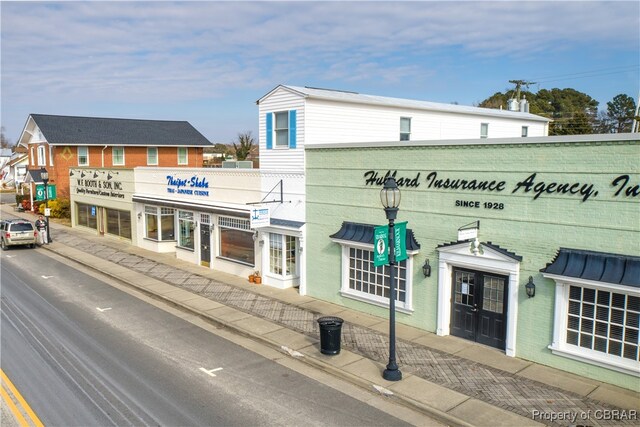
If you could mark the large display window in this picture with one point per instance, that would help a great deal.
(236, 240)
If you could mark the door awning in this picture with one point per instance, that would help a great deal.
(596, 266)
(363, 233)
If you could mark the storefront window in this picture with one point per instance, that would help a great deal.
(373, 282)
(598, 324)
(236, 240)
(282, 254)
(159, 217)
(119, 223)
(87, 215)
(187, 226)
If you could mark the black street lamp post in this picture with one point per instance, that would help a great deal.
(390, 197)
(45, 179)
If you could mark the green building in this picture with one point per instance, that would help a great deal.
(485, 218)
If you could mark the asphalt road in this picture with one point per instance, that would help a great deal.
(85, 353)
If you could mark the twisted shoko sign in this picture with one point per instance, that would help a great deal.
(381, 249)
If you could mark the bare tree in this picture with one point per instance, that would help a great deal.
(4, 142)
(246, 142)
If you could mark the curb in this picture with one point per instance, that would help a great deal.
(401, 399)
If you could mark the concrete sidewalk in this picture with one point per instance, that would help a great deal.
(450, 379)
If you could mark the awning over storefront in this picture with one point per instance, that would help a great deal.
(596, 266)
(363, 233)
(193, 206)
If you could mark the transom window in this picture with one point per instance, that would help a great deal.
(117, 156)
(152, 156)
(83, 156)
(405, 128)
(282, 129)
(603, 321)
(159, 223)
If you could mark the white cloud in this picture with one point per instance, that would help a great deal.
(178, 51)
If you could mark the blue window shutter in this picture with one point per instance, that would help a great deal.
(292, 129)
(269, 131)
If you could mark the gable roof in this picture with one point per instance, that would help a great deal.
(359, 98)
(71, 130)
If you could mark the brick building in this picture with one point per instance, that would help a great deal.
(59, 143)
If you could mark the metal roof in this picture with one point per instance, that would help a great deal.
(71, 130)
(597, 266)
(363, 233)
(359, 98)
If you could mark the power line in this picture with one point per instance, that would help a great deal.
(586, 74)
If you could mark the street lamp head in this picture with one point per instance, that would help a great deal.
(390, 193)
(44, 174)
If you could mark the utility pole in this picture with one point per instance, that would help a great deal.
(636, 118)
(519, 84)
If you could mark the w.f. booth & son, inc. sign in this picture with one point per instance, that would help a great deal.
(621, 186)
(193, 186)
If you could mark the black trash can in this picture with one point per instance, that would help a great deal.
(330, 331)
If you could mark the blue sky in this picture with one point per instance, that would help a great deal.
(208, 62)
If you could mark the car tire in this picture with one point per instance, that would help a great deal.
(3, 245)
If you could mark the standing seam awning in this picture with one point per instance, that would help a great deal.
(596, 266)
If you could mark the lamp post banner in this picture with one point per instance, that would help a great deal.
(380, 249)
(399, 241)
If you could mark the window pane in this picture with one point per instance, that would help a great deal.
(152, 226)
(152, 156)
(237, 245)
(168, 227)
(182, 156)
(275, 253)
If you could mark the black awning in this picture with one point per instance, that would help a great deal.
(363, 233)
(596, 266)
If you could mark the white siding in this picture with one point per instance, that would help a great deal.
(281, 159)
(330, 122)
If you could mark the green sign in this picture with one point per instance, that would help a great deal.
(399, 241)
(380, 249)
(51, 192)
(380, 243)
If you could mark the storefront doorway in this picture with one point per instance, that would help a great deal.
(205, 240)
(479, 306)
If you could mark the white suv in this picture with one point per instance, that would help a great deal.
(15, 232)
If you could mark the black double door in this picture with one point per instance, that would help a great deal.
(479, 306)
(205, 245)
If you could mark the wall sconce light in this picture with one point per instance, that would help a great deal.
(531, 288)
(139, 215)
(426, 268)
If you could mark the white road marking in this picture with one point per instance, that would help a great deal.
(103, 309)
(210, 372)
(46, 277)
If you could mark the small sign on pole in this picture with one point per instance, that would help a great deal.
(469, 231)
(380, 250)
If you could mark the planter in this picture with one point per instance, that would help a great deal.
(257, 280)
(252, 278)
